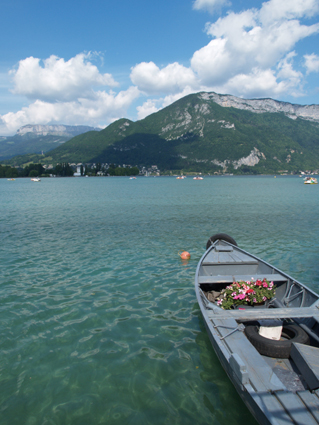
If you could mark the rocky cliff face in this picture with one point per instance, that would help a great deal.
(307, 112)
(54, 130)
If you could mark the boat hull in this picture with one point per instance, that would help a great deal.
(269, 391)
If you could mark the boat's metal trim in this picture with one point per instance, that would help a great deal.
(240, 327)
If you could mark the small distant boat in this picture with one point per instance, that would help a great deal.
(181, 177)
(132, 178)
(35, 179)
(198, 178)
(310, 180)
(11, 180)
(270, 352)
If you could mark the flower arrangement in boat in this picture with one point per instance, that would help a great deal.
(246, 293)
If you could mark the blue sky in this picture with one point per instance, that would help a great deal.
(92, 61)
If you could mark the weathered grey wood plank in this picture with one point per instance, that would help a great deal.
(241, 257)
(296, 408)
(270, 407)
(215, 258)
(307, 359)
(311, 401)
(225, 257)
(211, 257)
(260, 373)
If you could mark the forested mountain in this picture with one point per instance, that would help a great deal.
(205, 132)
(38, 139)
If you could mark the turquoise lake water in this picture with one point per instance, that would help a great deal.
(99, 321)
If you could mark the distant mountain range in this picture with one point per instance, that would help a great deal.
(204, 132)
(38, 139)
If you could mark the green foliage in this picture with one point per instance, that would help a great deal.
(29, 144)
(33, 173)
(8, 172)
(121, 171)
(246, 293)
(63, 170)
(32, 170)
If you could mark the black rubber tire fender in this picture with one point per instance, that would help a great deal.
(277, 349)
(222, 236)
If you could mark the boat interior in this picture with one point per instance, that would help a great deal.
(225, 264)
(293, 303)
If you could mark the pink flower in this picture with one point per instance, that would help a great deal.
(265, 284)
(264, 298)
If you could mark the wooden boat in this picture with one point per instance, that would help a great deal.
(277, 379)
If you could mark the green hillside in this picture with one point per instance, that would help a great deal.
(35, 139)
(23, 145)
(196, 134)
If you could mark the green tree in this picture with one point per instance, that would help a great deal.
(36, 169)
(11, 172)
(33, 173)
(64, 170)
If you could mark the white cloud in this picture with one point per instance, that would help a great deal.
(68, 92)
(149, 78)
(57, 79)
(247, 43)
(312, 63)
(174, 97)
(251, 49)
(260, 83)
(102, 108)
(251, 54)
(210, 5)
(276, 10)
(213, 63)
(148, 108)
(257, 83)
(153, 105)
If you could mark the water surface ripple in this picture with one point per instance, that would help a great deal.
(99, 321)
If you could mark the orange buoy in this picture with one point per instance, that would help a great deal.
(184, 255)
